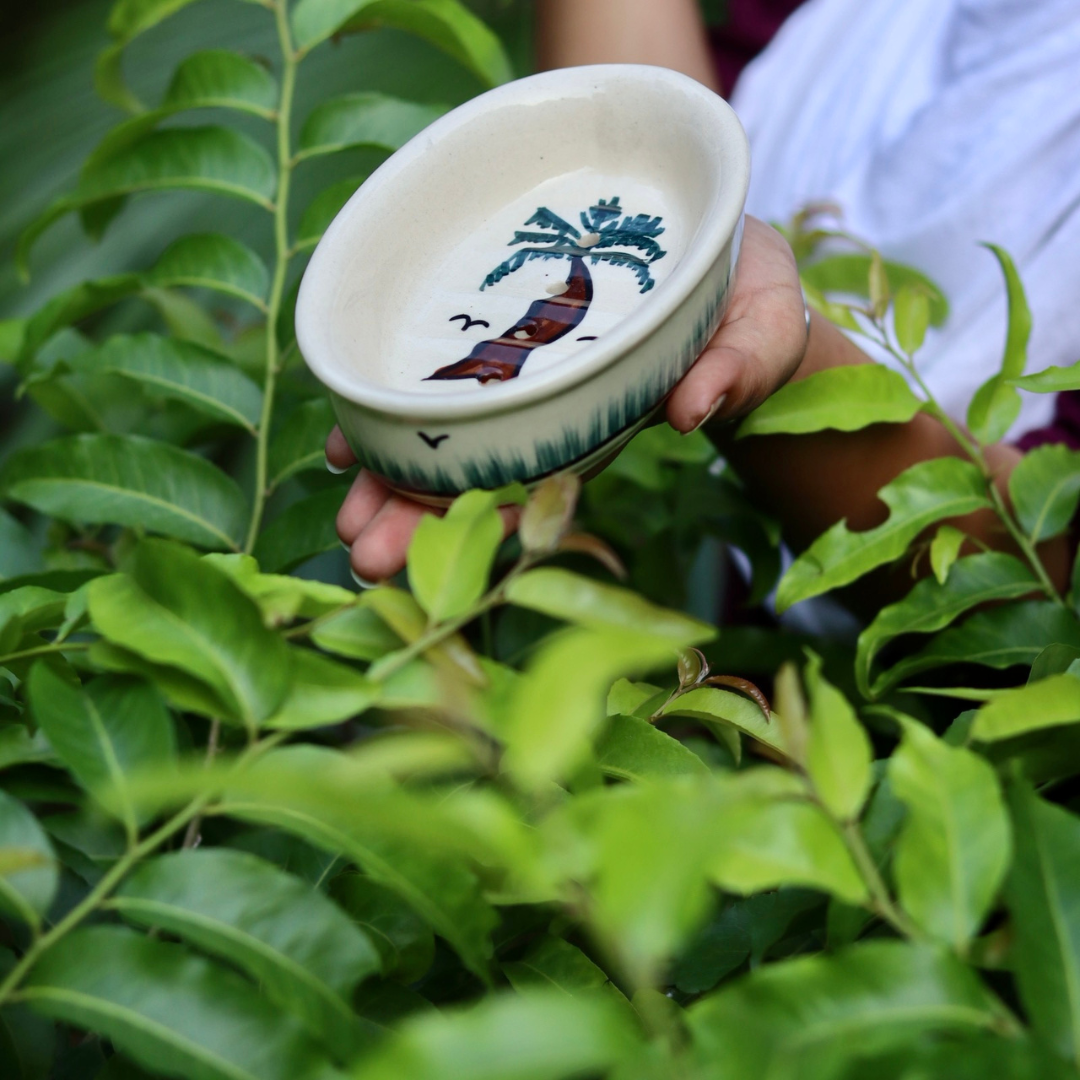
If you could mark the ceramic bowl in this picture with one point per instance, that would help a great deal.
(515, 291)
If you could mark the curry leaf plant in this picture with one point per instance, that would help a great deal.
(525, 811)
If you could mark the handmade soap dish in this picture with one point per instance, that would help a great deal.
(517, 289)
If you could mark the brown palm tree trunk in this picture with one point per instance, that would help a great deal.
(546, 321)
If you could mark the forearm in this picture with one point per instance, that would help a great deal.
(667, 33)
(809, 482)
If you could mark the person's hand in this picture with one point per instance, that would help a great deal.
(760, 343)
(756, 350)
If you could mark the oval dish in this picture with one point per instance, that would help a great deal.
(515, 290)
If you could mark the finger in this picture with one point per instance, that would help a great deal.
(379, 551)
(511, 518)
(749, 357)
(338, 455)
(365, 499)
(705, 388)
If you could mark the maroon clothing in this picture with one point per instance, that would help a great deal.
(749, 27)
(1064, 428)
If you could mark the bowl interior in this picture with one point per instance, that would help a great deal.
(405, 284)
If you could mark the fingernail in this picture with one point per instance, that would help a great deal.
(347, 547)
(333, 468)
(709, 415)
(363, 582)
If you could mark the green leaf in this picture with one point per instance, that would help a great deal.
(632, 749)
(369, 120)
(1042, 894)
(999, 638)
(26, 891)
(438, 887)
(842, 398)
(955, 845)
(304, 530)
(626, 698)
(930, 606)
(357, 633)
(809, 1017)
(851, 274)
(838, 752)
(1050, 702)
(1053, 660)
(27, 610)
(212, 261)
(323, 692)
(304, 953)
(553, 962)
(212, 159)
(945, 550)
(646, 893)
(127, 20)
(405, 942)
(70, 307)
(12, 334)
(132, 481)
(996, 403)
(217, 78)
(723, 709)
(169, 1010)
(555, 708)
(213, 73)
(530, 1036)
(178, 610)
(298, 445)
(594, 605)
(18, 549)
(911, 318)
(103, 732)
(323, 209)
(1045, 490)
(283, 599)
(180, 371)
(181, 690)
(447, 24)
(920, 496)
(1052, 380)
(451, 557)
(769, 845)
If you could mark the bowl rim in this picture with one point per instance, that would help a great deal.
(718, 227)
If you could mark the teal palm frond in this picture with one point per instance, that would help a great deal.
(603, 220)
(620, 237)
(534, 238)
(547, 220)
(524, 255)
(624, 258)
(601, 214)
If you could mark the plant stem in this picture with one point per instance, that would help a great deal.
(396, 661)
(282, 253)
(191, 837)
(45, 650)
(1024, 544)
(880, 899)
(975, 452)
(89, 902)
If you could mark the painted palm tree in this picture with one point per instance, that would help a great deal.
(606, 236)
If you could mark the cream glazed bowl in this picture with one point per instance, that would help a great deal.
(517, 289)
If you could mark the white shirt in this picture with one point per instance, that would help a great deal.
(937, 124)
